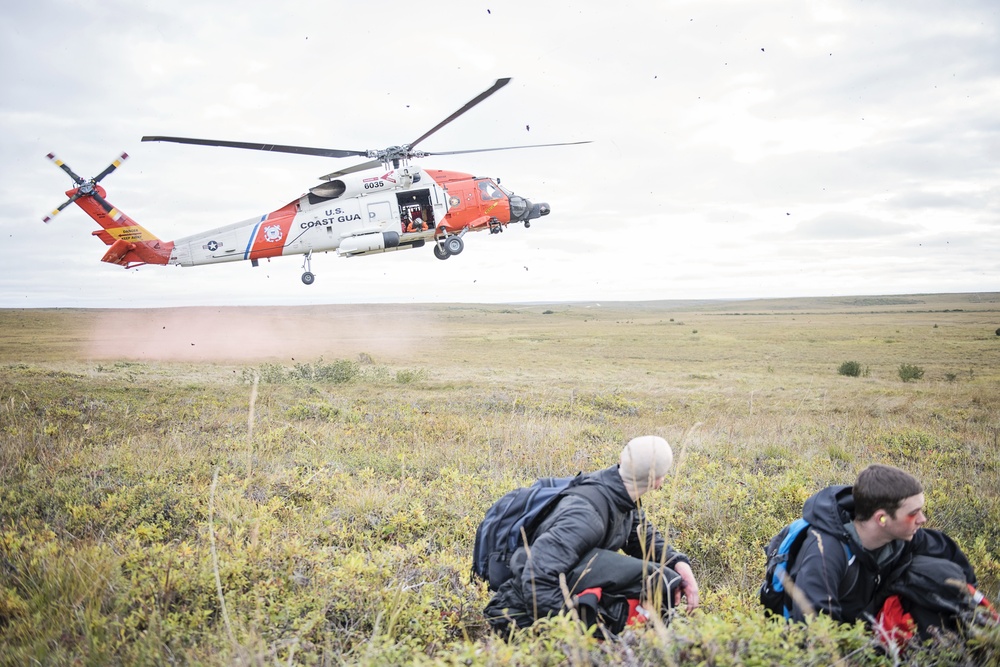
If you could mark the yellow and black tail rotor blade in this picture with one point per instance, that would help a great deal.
(102, 201)
(61, 207)
(62, 165)
(111, 167)
(84, 187)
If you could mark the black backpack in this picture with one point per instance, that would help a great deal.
(499, 534)
(935, 593)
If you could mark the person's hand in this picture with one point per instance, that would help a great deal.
(688, 589)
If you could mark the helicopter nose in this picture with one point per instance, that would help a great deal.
(522, 210)
(538, 210)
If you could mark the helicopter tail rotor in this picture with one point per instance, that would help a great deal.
(84, 187)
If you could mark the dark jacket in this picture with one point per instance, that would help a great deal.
(575, 527)
(847, 586)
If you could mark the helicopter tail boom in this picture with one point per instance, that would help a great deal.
(131, 243)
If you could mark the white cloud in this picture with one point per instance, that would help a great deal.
(848, 226)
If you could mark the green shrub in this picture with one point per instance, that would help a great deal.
(406, 376)
(850, 369)
(320, 411)
(266, 374)
(336, 372)
(909, 372)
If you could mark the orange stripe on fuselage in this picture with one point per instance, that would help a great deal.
(272, 233)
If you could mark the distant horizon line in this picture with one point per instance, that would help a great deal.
(994, 296)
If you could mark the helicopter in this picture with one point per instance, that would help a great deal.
(384, 204)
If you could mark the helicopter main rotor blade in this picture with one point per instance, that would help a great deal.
(500, 83)
(274, 148)
(392, 155)
(364, 166)
(503, 148)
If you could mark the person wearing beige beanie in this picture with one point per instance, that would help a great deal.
(645, 461)
(597, 545)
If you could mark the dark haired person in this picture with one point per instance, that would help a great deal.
(861, 538)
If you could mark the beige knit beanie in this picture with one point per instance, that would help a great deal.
(644, 460)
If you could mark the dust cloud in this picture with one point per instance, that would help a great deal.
(282, 334)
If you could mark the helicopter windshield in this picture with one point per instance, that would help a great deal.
(489, 190)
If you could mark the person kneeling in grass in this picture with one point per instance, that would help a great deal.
(598, 554)
(866, 554)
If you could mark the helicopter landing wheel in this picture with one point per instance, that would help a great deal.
(308, 278)
(527, 223)
(454, 245)
(440, 252)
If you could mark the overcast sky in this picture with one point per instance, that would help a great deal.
(741, 149)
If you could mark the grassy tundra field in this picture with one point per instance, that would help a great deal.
(302, 485)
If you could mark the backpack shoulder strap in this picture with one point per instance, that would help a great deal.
(591, 493)
(595, 497)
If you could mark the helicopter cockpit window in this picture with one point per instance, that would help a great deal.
(488, 190)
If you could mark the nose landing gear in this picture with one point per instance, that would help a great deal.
(454, 245)
(449, 245)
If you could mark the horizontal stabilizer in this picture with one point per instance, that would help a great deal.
(104, 236)
(118, 251)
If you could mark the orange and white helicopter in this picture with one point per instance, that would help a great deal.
(400, 206)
